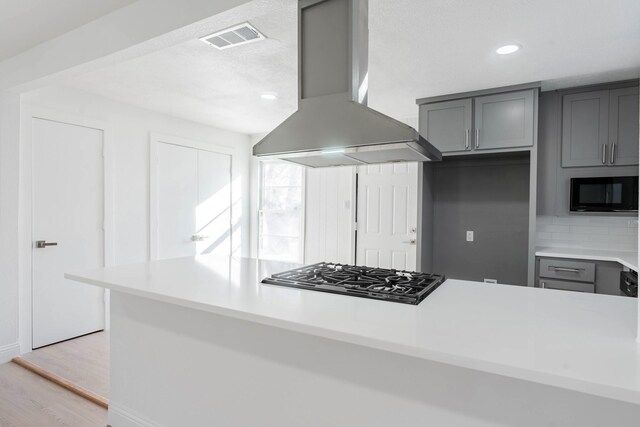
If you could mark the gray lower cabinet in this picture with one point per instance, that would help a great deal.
(567, 286)
(623, 126)
(601, 277)
(447, 125)
(498, 122)
(504, 120)
(600, 128)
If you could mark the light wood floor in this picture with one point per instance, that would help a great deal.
(27, 399)
(83, 361)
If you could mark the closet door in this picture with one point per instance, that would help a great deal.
(192, 205)
(213, 212)
(177, 200)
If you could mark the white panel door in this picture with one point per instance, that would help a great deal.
(387, 215)
(193, 201)
(177, 199)
(213, 213)
(68, 209)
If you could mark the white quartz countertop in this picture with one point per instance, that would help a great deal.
(578, 341)
(628, 259)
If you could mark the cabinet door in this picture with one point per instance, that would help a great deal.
(504, 120)
(447, 125)
(623, 126)
(585, 133)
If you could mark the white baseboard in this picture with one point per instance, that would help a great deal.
(121, 416)
(9, 351)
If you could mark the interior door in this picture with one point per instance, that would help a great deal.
(193, 201)
(68, 212)
(213, 213)
(177, 198)
(387, 215)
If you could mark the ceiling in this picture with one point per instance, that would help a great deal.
(418, 48)
(27, 23)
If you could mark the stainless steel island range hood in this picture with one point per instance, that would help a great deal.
(333, 125)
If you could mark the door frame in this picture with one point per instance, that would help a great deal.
(28, 115)
(156, 138)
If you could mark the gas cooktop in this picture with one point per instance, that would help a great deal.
(408, 287)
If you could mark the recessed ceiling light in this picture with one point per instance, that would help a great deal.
(507, 49)
(269, 95)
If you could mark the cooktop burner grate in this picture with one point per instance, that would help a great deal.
(407, 287)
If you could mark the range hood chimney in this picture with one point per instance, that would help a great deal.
(333, 125)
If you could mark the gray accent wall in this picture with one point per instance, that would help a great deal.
(490, 196)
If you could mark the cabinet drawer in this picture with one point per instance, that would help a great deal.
(567, 286)
(568, 270)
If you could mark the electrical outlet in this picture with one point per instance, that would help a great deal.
(469, 236)
(490, 281)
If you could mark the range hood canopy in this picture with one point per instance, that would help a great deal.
(333, 125)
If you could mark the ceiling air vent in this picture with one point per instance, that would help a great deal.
(235, 36)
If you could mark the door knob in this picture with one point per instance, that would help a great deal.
(43, 244)
(411, 241)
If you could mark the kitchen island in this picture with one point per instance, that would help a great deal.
(200, 341)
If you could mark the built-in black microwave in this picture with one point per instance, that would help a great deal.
(604, 194)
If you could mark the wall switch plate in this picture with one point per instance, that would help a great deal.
(469, 236)
(490, 281)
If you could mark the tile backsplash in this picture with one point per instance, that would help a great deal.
(588, 232)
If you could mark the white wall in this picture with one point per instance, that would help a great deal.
(130, 134)
(115, 37)
(9, 172)
(129, 128)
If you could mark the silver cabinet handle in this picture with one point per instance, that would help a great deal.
(542, 285)
(477, 138)
(466, 138)
(411, 242)
(604, 154)
(41, 244)
(612, 160)
(567, 269)
(198, 238)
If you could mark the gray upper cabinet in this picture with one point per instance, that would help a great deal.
(585, 132)
(600, 128)
(504, 120)
(623, 126)
(447, 125)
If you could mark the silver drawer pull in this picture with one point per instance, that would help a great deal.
(567, 269)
